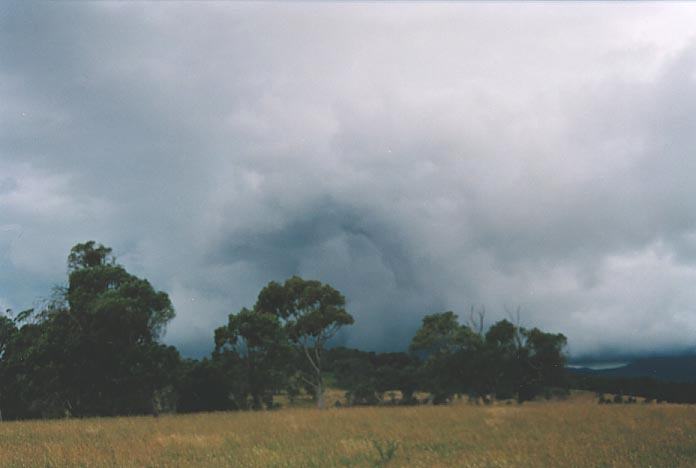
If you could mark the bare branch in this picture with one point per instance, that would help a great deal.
(515, 319)
(307, 381)
(311, 361)
(476, 322)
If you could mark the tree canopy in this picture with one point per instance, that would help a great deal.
(312, 314)
(95, 349)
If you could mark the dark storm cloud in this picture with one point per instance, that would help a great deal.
(417, 157)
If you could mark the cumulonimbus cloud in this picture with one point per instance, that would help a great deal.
(418, 157)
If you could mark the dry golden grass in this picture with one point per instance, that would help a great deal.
(571, 434)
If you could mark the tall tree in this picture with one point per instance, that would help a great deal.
(254, 344)
(94, 350)
(448, 350)
(313, 313)
(546, 358)
(8, 329)
(119, 318)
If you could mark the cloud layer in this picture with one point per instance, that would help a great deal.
(417, 157)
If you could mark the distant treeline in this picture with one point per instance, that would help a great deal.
(94, 349)
(649, 388)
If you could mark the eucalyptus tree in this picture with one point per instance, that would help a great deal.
(312, 313)
(94, 349)
(449, 351)
(8, 329)
(117, 322)
(253, 346)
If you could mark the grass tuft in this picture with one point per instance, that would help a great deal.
(386, 450)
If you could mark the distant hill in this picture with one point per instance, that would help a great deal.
(667, 368)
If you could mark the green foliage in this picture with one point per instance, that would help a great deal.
(448, 350)
(94, 349)
(441, 334)
(312, 314)
(89, 255)
(204, 386)
(7, 332)
(366, 375)
(280, 342)
(254, 347)
(506, 361)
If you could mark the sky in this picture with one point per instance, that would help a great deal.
(419, 157)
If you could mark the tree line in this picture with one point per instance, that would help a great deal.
(621, 389)
(95, 349)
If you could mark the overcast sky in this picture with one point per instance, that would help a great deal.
(418, 157)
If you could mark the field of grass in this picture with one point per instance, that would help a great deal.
(574, 433)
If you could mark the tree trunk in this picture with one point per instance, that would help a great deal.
(320, 390)
(156, 404)
(256, 402)
(320, 396)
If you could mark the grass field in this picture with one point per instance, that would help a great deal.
(574, 433)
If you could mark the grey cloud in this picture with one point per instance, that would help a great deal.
(418, 157)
